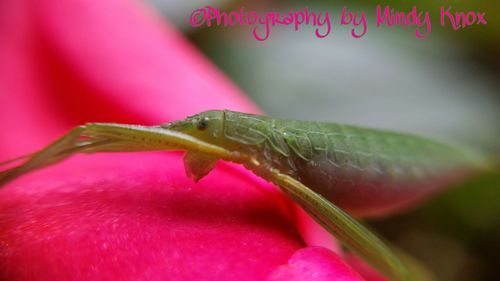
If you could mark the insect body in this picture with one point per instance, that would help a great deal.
(317, 164)
(362, 170)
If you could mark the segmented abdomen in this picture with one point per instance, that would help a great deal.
(362, 170)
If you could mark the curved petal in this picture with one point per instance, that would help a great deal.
(122, 216)
(129, 220)
(315, 264)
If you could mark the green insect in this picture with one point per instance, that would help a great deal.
(363, 171)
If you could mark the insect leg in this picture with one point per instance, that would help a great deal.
(155, 138)
(52, 153)
(351, 233)
(108, 137)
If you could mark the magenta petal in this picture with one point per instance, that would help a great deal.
(120, 56)
(137, 217)
(315, 264)
(65, 63)
(125, 216)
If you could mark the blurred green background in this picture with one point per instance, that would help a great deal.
(445, 86)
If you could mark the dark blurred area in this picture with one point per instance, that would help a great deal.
(445, 86)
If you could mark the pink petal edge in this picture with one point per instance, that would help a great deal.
(132, 216)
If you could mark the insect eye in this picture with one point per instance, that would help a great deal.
(202, 124)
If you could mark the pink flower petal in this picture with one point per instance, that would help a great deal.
(315, 264)
(123, 57)
(116, 219)
(124, 216)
